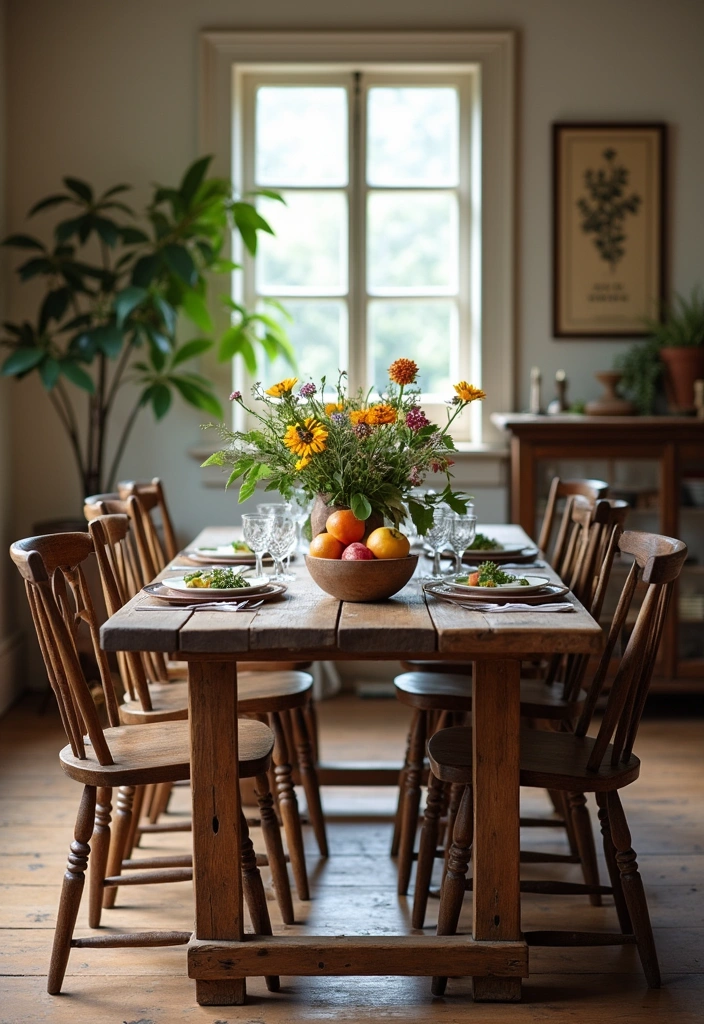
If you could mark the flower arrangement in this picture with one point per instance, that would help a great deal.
(365, 451)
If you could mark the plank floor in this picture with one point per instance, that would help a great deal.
(353, 892)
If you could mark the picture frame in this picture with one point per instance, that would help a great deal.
(609, 187)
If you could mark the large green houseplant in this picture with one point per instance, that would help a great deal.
(672, 356)
(116, 288)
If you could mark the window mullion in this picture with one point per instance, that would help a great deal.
(357, 343)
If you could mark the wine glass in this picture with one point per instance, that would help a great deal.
(272, 507)
(436, 538)
(256, 530)
(300, 510)
(462, 530)
(282, 538)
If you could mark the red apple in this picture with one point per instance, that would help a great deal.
(357, 552)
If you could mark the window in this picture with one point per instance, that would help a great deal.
(371, 251)
(392, 149)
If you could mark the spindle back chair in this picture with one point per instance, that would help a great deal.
(152, 497)
(589, 491)
(575, 763)
(103, 757)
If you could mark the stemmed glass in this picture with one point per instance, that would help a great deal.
(256, 530)
(270, 508)
(300, 510)
(281, 539)
(436, 538)
(462, 529)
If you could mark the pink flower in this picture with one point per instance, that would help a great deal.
(416, 418)
(308, 390)
(414, 477)
(235, 396)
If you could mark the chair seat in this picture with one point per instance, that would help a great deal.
(161, 754)
(549, 760)
(258, 693)
(432, 691)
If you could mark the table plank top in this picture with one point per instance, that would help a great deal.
(308, 623)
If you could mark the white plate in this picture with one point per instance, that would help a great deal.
(216, 552)
(536, 583)
(254, 585)
(505, 549)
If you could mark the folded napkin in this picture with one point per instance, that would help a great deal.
(495, 609)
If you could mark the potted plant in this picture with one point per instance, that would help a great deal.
(115, 290)
(674, 353)
(357, 452)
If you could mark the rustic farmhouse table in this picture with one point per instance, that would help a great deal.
(309, 625)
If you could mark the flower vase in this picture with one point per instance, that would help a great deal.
(321, 510)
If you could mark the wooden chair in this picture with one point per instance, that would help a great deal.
(435, 694)
(153, 499)
(280, 696)
(571, 490)
(575, 763)
(118, 756)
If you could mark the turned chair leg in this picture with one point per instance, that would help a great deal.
(274, 848)
(309, 778)
(633, 891)
(160, 801)
(411, 800)
(453, 888)
(100, 849)
(584, 837)
(123, 821)
(288, 807)
(71, 891)
(311, 716)
(427, 849)
(456, 791)
(396, 838)
(137, 807)
(624, 918)
(254, 895)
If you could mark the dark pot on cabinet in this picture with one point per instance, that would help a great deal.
(683, 365)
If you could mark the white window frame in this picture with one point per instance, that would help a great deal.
(490, 56)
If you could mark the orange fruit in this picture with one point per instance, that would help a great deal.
(326, 546)
(345, 527)
(388, 543)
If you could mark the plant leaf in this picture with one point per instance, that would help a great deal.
(161, 400)
(196, 396)
(108, 231)
(145, 270)
(127, 300)
(109, 338)
(49, 371)
(190, 350)
(77, 376)
(360, 506)
(181, 262)
(115, 189)
(23, 242)
(196, 310)
(54, 200)
(80, 188)
(193, 178)
(133, 236)
(21, 360)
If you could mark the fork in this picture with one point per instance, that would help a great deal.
(210, 606)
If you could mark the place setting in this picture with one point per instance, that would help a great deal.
(489, 587)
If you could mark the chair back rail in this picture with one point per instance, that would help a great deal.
(590, 490)
(51, 566)
(111, 540)
(150, 557)
(657, 562)
(152, 497)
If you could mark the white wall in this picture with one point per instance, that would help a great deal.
(108, 92)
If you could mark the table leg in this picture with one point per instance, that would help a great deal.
(212, 704)
(496, 847)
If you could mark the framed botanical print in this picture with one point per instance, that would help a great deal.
(608, 228)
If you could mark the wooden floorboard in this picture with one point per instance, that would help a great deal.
(353, 892)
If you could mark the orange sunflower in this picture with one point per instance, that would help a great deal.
(467, 392)
(381, 413)
(305, 439)
(403, 371)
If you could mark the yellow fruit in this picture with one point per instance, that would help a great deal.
(325, 546)
(388, 543)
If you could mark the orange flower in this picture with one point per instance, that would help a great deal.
(360, 416)
(284, 387)
(403, 371)
(381, 413)
(332, 407)
(467, 392)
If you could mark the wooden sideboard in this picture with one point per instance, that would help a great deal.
(657, 464)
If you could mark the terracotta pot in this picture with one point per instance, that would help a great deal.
(683, 365)
(321, 510)
(362, 581)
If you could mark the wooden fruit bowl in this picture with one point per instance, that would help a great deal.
(362, 581)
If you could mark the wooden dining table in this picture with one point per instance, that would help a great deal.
(308, 625)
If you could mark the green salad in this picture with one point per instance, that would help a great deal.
(483, 543)
(490, 575)
(215, 579)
